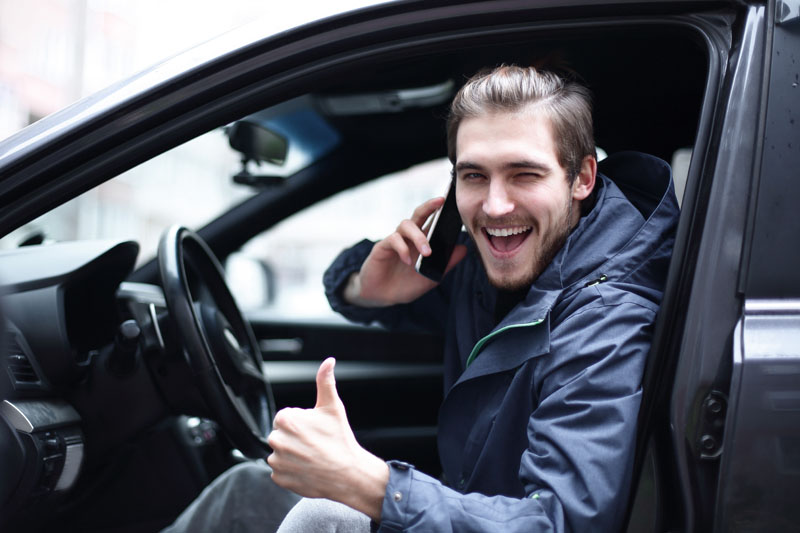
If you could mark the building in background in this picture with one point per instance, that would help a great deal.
(54, 52)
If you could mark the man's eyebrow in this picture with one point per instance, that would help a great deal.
(470, 165)
(535, 165)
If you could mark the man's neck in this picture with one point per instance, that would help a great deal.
(506, 301)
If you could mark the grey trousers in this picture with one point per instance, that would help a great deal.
(242, 499)
(324, 516)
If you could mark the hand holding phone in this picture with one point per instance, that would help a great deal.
(388, 277)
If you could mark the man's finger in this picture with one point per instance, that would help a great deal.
(425, 210)
(326, 384)
(412, 233)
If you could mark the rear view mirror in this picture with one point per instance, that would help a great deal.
(256, 143)
(287, 137)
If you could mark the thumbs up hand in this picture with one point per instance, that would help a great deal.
(316, 455)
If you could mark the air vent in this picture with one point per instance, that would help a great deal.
(21, 369)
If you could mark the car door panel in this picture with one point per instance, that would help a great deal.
(390, 382)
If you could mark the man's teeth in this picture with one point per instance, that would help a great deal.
(507, 232)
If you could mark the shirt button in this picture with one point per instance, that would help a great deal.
(398, 496)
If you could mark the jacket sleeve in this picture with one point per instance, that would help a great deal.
(427, 313)
(576, 470)
(416, 502)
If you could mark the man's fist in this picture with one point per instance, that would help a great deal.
(316, 455)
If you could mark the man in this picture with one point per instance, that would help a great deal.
(547, 313)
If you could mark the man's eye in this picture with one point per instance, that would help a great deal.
(472, 176)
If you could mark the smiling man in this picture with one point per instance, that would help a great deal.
(516, 200)
(547, 314)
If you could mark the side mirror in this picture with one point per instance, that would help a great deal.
(256, 143)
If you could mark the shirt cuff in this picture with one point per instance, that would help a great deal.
(395, 501)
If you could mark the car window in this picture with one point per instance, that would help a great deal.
(189, 185)
(279, 273)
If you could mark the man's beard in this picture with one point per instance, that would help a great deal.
(543, 256)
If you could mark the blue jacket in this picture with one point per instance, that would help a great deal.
(538, 432)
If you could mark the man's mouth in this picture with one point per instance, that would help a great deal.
(506, 240)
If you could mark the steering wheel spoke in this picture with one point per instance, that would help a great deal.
(244, 410)
(220, 345)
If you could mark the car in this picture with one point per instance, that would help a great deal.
(132, 379)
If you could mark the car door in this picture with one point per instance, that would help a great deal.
(723, 369)
(760, 451)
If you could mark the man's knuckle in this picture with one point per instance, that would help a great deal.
(406, 226)
(279, 420)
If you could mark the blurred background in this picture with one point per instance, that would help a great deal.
(54, 52)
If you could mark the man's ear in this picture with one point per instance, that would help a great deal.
(584, 182)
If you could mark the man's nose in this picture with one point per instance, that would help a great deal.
(498, 201)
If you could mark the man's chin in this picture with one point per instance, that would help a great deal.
(509, 279)
(510, 283)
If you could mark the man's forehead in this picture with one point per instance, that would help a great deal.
(519, 136)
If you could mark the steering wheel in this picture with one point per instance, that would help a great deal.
(218, 342)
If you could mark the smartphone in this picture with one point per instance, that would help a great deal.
(442, 236)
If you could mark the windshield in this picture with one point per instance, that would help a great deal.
(188, 185)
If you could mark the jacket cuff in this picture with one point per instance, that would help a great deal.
(395, 501)
(337, 275)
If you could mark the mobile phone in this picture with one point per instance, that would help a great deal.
(442, 237)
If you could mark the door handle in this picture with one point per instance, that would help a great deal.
(281, 346)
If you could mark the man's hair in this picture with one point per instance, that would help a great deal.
(509, 88)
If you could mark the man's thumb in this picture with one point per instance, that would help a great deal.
(326, 384)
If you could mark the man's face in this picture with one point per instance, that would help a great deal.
(513, 195)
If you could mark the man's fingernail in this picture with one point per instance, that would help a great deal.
(426, 249)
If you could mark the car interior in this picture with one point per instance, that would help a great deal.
(107, 361)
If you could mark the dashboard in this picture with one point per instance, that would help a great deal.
(82, 347)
